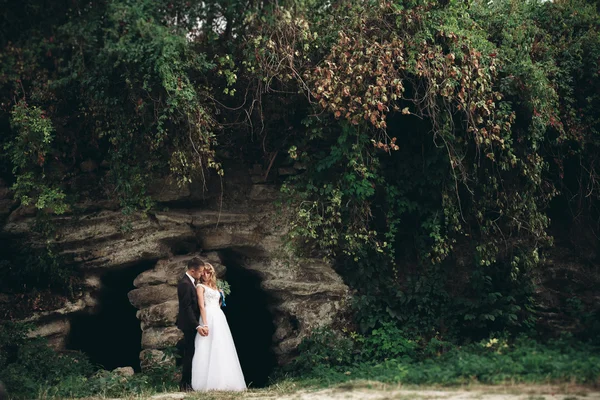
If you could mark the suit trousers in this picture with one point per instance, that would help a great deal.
(188, 354)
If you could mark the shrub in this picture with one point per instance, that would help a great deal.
(389, 341)
(326, 348)
(28, 366)
(492, 361)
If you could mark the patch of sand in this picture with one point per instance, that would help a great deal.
(482, 393)
(378, 391)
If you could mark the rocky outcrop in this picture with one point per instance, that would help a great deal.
(109, 239)
(124, 371)
(304, 293)
(303, 290)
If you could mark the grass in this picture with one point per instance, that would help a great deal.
(522, 362)
(275, 390)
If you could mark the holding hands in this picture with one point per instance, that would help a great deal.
(203, 330)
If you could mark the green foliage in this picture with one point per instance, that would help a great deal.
(29, 366)
(327, 348)
(23, 268)
(522, 362)
(123, 84)
(434, 149)
(28, 152)
(388, 341)
(163, 373)
(320, 219)
(492, 361)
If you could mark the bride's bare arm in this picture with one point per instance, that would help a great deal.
(200, 291)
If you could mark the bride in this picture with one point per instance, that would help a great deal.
(215, 365)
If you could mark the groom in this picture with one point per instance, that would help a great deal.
(189, 317)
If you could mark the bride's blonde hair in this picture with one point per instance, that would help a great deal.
(212, 279)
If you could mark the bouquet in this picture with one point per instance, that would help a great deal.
(224, 289)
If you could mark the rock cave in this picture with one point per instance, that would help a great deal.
(125, 312)
(111, 334)
(250, 320)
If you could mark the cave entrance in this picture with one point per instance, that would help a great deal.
(251, 322)
(112, 336)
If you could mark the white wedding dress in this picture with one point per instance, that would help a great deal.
(215, 365)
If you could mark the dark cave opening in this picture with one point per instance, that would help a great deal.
(250, 321)
(112, 336)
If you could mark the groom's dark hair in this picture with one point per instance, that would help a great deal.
(196, 263)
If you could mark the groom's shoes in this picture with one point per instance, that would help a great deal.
(185, 388)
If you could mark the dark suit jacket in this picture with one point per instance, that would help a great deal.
(189, 312)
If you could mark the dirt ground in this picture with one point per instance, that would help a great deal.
(378, 391)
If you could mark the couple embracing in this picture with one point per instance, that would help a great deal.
(210, 361)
